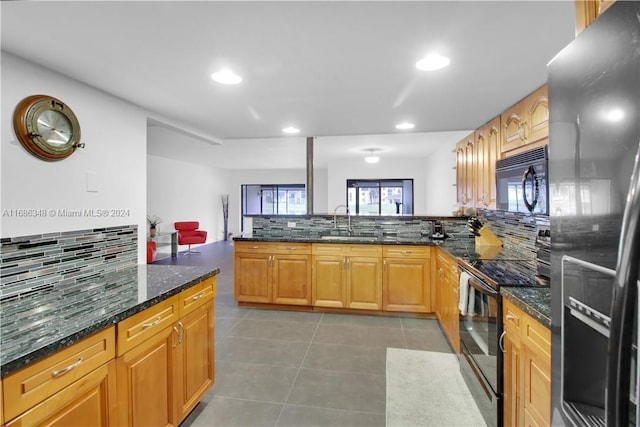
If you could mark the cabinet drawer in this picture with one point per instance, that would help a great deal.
(197, 295)
(364, 250)
(139, 327)
(291, 248)
(328, 249)
(254, 247)
(406, 251)
(40, 380)
(512, 318)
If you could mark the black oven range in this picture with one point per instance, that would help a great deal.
(481, 328)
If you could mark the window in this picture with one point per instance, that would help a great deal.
(380, 196)
(274, 199)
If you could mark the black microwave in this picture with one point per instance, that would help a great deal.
(522, 184)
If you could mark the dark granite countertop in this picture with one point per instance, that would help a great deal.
(36, 326)
(534, 301)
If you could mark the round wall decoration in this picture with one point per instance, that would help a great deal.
(46, 127)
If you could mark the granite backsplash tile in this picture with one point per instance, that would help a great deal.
(39, 263)
(317, 225)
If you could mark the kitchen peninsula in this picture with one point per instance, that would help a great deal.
(95, 349)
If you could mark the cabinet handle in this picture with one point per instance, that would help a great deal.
(181, 336)
(348, 263)
(292, 248)
(384, 264)
(152, 324)
(60, 372)
(200, 295)
(344, 263)
(510, 317)
(254, 247)
(522, 131)
(177, 334)
(501, 341)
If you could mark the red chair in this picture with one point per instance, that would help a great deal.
(151, 252)
(188, 234)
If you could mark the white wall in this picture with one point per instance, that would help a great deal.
(114, 132)
(440, 191)
(181, 191)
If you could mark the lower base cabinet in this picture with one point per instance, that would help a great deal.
(151, 369)
(527, 369)
(88, 402)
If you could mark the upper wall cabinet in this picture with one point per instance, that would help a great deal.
(588, 10)
(526, 124)
(465, 171)
(487, 152)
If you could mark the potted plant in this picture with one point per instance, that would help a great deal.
(153, 222)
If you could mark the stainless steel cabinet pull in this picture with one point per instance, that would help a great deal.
(60, 372)
(501, 341)
(200, 295)
(152, 324)
(384, 264)
(292, 248)
(254, 247)
(510, 317)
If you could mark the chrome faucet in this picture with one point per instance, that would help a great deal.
(335, 218)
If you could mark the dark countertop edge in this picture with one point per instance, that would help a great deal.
(62, 343)
(365, 241)
(511, 293)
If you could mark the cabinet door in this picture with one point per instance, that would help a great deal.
(329, 281)
(146, 382)
(537, 111)
(487, 153)
(291, 279)
(364, 285)
(90, 401)
(512, 380)
(406, 285)
(536, 388)
(470, 172)
(252, 277)
(513, 127)
(195, 361)
(462, 178)
(454, 312)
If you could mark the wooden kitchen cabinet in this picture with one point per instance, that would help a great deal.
(447, 291)
(487, 152)
(588, 11)
(347, 276)
(272, 273)
(526, 124)
(465, 170)
(527, 368)
(162, 377)
(75, 386)
(406, 283)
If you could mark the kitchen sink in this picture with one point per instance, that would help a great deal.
(350, 238)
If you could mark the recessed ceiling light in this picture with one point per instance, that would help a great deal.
(226, 77)
(290, 129)
(432, 62)
(615, 115)
(405, 126)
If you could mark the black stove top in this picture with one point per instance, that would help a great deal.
(503, 272)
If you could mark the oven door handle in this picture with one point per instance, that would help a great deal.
(478, 285)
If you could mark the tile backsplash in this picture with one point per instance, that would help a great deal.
(40, 263)
(316, 225)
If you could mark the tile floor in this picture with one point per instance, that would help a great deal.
(285, 368)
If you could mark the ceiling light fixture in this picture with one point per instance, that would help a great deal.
(226, 77)
(405, 126)
(432, 62)
(371, 157)
(290, 129)
(615, 115)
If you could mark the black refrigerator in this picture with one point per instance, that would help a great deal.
(594, 209)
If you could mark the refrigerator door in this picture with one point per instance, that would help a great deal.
(594, 109)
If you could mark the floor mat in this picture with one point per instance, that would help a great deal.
(425, 388)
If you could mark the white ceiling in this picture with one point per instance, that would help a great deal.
(332, 68)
